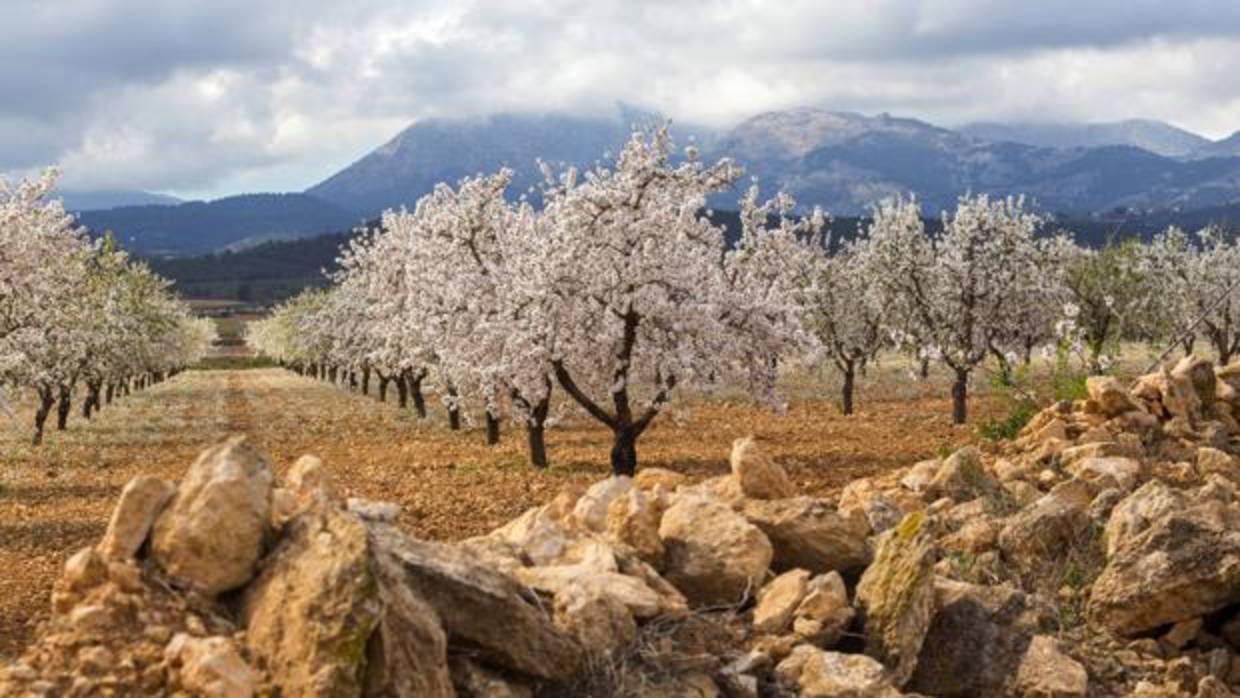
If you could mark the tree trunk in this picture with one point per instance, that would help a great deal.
(924, 369)
(383, 384)
(419, 401)
(850, 378)
(353, 380)
(960, 397)
(536, 438)
(492, 429)
(63, 407)
(46, 400)
(535, 431)
(402, 391)
(624, 452)
(107, 394)
(366, 380)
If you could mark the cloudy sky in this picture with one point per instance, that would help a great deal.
(211, 97)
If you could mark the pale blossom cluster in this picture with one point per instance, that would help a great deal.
(78, 317)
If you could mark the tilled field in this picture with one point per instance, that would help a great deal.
(56, 498)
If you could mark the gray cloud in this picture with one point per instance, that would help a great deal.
(219, 96)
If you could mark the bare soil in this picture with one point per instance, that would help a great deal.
(56, 499)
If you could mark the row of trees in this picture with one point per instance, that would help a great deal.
(78, 317)
(622, 294)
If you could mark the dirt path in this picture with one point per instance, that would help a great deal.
(57, 498)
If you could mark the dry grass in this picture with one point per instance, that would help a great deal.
(56, 499)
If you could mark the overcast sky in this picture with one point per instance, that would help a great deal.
(212, 97)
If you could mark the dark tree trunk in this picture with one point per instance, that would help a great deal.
(366, 381)
(1189, 343)
(492, 429)
(624, 452)
(383, 384)
(419, 400)
(62, 408)
(46, 400)
(107, 394)
(353, 380)
(960, 397)
(924, 369)
(402, 391)
(850, 379)
(535, 431)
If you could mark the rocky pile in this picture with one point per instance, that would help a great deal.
(1096, 555)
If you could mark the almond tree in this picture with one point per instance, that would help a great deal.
(958, 289)
(639, 304)
(1198, 286)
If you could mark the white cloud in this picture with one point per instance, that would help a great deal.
(219, 96)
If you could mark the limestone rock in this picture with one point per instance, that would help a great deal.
(961, 477)
(599, 622)
(1137, 511)
(815, 673)
(808, 533)
(1049, 525)
(210, 666)
(1184, 564)
(824, 613)
(896, 594)
(590, 513)
(1110, 396)
(920, 475)
(143, 498)
(1106, 473)
(649, 478)
(537, 534)
(863, 501)
(713, 555)
(778, 600)
(309, 614)
(975, 642)
(759, 477)
(382, 512)
(1213, 461)
(481, 607)
(475, 681)
(633, 522)
(212, 533)
(407, 651)
(1045, 672)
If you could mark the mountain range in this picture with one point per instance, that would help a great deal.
(842, 161)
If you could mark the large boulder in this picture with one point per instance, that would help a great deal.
(975, 642)
(713, 555)
(1151, 502)
(1183, 564)
(896, 596)
(814, 673)
(143, 498)
(310, 612)
(759, 477)
(810, 534)
(501, 621)
(212, 533)
(1049, 526)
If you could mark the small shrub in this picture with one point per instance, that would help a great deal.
(1008, 427)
